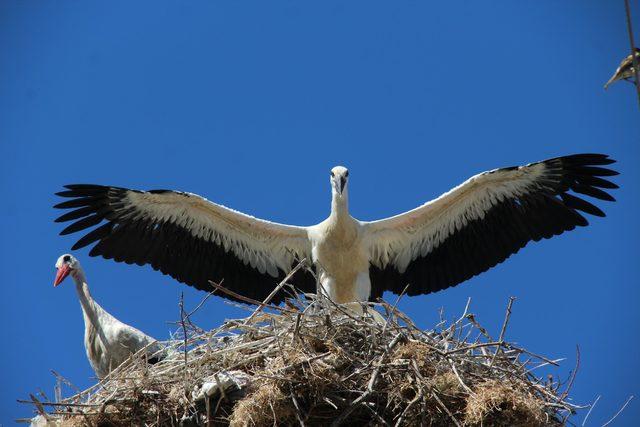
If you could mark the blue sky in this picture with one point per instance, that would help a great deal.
(251, 103)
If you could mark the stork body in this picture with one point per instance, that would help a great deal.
(442, 243)
(338, 252)
(107, 341)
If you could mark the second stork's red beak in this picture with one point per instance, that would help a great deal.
(62, 273)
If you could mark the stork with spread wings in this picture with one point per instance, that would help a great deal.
(440, 244)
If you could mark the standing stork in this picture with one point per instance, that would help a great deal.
(108, 341)
(442, 243)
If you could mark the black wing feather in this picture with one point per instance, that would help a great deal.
(507, 227)
(127, 235)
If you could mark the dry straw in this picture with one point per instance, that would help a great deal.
(312, 362)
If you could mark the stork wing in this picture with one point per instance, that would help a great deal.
(482, 222)
(187, 237)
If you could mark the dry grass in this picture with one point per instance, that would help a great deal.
(321, 364)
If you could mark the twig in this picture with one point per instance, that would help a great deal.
(223, 396)
(246, 299)
(457, 374)
(393, 307)
(619, 412)
(454, 325)
(207, 404)
(584, 422)
(296, 328)
(483, 331)
(297, 406)
(184, 332)
(537, 356)
(540, 365)
(370, 384)
(471, 347)
(60, 404)
(201, 303)
(39, 406)
(413, 401)
(573, 375)
(273, 293)
(503, 330)
(445, 409)
(64, 380)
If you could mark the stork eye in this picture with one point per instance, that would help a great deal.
(332, 174)
(66, 258)
(346, 174)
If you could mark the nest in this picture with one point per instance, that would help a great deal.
(317, 363)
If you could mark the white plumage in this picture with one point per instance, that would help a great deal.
(108, 341)
(439, 244)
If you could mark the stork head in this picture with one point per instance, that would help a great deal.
(339, 178)
(66, 264)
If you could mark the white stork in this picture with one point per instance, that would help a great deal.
(442, 243)
(108, 341)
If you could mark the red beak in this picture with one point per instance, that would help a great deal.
(62, 273)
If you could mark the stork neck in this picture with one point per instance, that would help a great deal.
(340, 205)
(90, 308)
